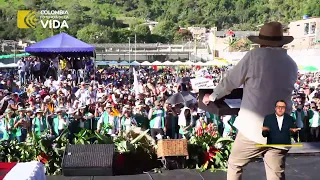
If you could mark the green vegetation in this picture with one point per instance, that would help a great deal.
(106, 21)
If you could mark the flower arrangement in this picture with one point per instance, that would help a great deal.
(214, 150)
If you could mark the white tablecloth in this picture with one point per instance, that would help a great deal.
(27, 171)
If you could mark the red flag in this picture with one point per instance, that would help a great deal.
(155, 67)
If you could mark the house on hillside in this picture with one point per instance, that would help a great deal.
(151, 24)
(198, 33)
(306, 33)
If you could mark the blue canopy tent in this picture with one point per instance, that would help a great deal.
(63, 44)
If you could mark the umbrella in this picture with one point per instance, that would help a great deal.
(180, 98)
(310, 69)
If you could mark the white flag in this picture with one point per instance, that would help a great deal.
(135, 82)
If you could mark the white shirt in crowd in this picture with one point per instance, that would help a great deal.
(111, 122)
(21, 66)
(157, 119)
(259, 72)
(315, 117)
(280, 122)
(62, 124)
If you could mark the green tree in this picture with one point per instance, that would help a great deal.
(166, 29)
(95, 33)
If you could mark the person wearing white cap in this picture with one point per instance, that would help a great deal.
(74, 127)
(8, 125)
(39, 123)
(108, 119)
(82, 94)
(22, 123)
(60, 122)
(85, 118)
(101, 92)
(127, 121)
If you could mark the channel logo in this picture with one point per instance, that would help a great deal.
(26, 19)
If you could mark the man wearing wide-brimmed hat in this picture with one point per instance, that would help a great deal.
(74, 123)
(108, 119)
(268, 74)
(85, 117)
(8, 125)
(39, 123)
(60, 121)
(22, 124)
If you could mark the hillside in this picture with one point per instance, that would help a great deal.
(101, 21)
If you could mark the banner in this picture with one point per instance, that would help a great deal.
(202, 83)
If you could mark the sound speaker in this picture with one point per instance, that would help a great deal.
(88, 160)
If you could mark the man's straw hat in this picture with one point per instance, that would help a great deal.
(271, 34)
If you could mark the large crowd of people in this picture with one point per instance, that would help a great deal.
(106, 100)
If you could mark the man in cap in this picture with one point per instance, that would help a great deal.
(22, 124)
(39, 123)
(8, 129)
(259, 71)
(60, 122)
(108, 119)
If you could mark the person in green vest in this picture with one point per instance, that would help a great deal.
(127, 120)
(60, 122)
(300, 115)
(108, 123)
(85, 117)
(185, 122)
(21, 125)
(140, 116)
(8, 123)
(73, 124)
(215, 119)
(156, 116)
(229, 130)
(314, 123)
(39, 123)
(97, 114)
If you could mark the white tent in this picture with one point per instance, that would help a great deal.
(178, 63)
(11, 65)
(157, 63)
(200, 64)
(124, 63)
(100, 63)
(216, 63)
(189, 63)
(167, 63)
(112, 63)
(145, 63)
(135, 63)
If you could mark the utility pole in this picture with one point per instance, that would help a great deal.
(135, 47)
(129, 50)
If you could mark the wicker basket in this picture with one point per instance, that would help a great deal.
(172, 147)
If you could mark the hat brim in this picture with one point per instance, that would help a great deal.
(283, 41)
(71, 112)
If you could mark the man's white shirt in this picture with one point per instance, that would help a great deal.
(280, 122)
(259, 72)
